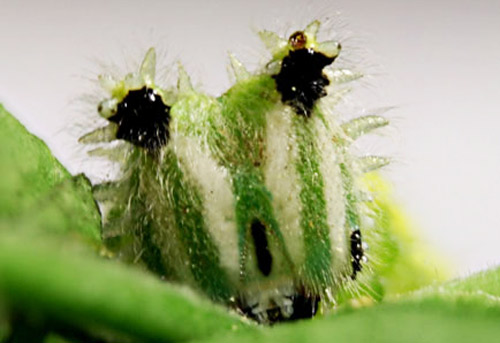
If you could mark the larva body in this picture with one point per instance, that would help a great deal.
(252, 197)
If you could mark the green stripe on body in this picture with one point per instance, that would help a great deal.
(244, 113)
(317, 266)
(129, 227)
(201, 250)
(152, 253)
(352, 215)
(254, 201)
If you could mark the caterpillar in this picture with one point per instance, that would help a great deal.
(253, 197)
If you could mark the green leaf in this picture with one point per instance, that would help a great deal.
(28, 168)
(37, 192)
(52, 277)
(438, 314)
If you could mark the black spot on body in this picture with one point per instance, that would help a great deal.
(264, 258)
(357, 252)
(301, 80)
(143, 119)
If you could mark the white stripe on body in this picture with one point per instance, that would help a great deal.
(282, 179)
(216, 193)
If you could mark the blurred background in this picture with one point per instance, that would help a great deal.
(436, 62)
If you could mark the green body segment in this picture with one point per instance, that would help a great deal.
(244, 115)
(229, 133)
(235, 137)
(178, 248)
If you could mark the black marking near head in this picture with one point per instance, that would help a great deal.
(303, 307)
(264, 257)
(143, 119)
(301, 80)
(357, 252)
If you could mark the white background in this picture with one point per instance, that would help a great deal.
(438, 62)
